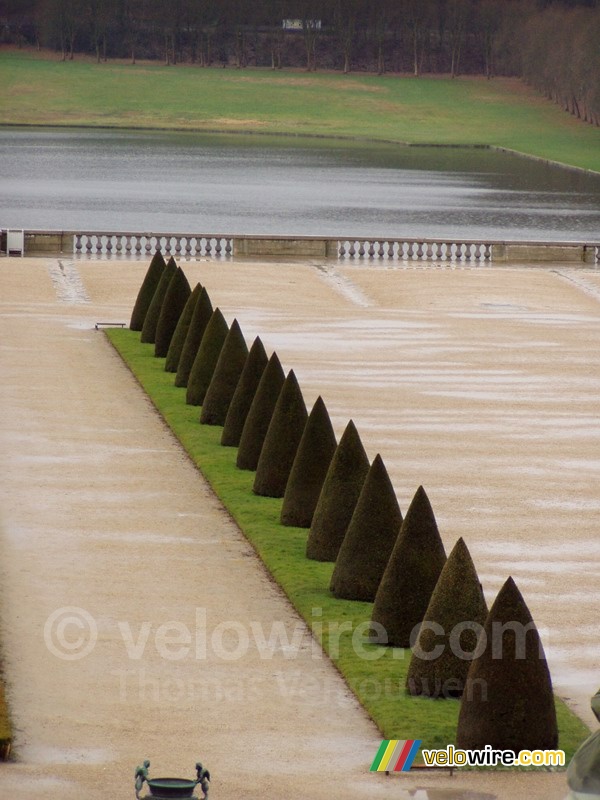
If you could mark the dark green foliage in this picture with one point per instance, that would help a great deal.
(369, 539)
(181, 331)
(171, 310)
(146, 292)
(225, 377)
(411, 574)
(508, 701)
(310, 466)
(200, 319)
(457, 600)
(244, 394)
(339, 495)
(154, 309)
(206, 359)
(282, 440)
(259, 416)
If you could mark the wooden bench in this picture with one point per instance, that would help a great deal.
(427, 768)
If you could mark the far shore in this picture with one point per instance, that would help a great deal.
(503, 113)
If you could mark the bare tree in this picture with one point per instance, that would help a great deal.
(418, 15)
(457, 23)
(134, 15)
(275, 12)
(311, 27)
(101, 14)
(378, 24)
(489, 23)
(345, 17)
(62, 20)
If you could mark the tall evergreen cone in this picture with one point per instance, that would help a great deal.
(413, 570)
(369, 539)
(281, 442)
(171, 310)
(508, 701)
(206, 359)
(153, 313)
(339, 495)
(310, 466)
(181, 331)
(457, 600)
(200, 319)
(259, 416)
(244, 394)
(225, 377)
(146, 292)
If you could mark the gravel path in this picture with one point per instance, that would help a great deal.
(480, 384)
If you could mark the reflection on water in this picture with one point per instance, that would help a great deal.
(185, 182)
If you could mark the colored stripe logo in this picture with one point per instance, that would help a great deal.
(395, 755)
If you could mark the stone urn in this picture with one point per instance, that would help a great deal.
(583, 774)
(167, 788)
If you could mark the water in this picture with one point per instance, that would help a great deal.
(188, 182)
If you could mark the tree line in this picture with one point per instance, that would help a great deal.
(552, 45)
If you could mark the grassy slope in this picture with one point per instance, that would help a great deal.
(379, 684)
(502, 112)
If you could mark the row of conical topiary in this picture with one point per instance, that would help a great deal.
(421, 599)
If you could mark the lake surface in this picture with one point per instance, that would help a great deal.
(200, 183)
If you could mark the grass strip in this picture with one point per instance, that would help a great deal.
(374, 673)
(5, 728)
(37, 89)
(5, 723)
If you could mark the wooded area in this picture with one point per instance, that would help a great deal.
(554, 46)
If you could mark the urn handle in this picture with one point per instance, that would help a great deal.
(141, 776)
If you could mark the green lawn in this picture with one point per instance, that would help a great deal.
(377, 681)
(467, 111)
(5, 724)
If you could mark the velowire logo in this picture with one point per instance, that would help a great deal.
(395, 755)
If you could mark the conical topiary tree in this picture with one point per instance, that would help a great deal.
(369, 539)
(454, 618)
(244, 394)
(259, 415)
(310, 466)
(339, 495)
(508, 701)
(181, 331)
(227, 373)
(411, 573)
(206, 359)
(176, 297)
(146, 292)
(200, 319)
(282, 440)
(151, 320)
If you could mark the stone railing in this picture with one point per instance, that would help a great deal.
(414, 250)
(136, 244)
(364, 250)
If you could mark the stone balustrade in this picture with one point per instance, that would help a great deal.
(137, 244)
(364, 250)
(414, 250)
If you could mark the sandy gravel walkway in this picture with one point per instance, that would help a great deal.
(480, 384)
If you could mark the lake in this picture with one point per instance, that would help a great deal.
(206, 183)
